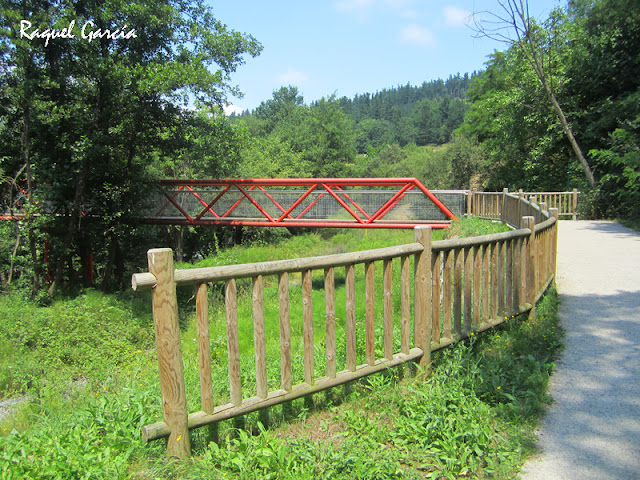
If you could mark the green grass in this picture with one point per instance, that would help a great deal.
(87, 366)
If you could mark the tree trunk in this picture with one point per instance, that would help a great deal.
(572, 140)
(71, 227)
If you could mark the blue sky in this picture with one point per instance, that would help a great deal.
(356, 46)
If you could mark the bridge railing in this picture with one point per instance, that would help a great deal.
(458, 287)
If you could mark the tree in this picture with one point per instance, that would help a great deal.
(275, 110)
(89, 116)
(540, 48)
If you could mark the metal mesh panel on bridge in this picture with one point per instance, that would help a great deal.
(319, 205)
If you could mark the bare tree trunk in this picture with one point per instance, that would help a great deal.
(516, 17)
(572, 140)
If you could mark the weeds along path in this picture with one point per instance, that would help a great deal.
(592, 430)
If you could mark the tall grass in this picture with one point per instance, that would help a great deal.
(88, 370)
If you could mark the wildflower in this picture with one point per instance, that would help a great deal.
(499, 387)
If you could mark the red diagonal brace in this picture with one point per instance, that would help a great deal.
(353, 202)
(308, 207)
(297, 202)
(239, 201)
(256, 204)
(341, 202)
(172, 200)
(213, 202)
(389, 204)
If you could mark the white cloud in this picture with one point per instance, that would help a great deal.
(456, 16)
(353, 5)
(292, 77)
(364, 9)
(417, 35)
(230, 109)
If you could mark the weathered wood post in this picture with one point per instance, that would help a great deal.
(204, 348)
(521, 196)
(530, 289)
(505, 192)
(423, 295)
(555, 213)
(165, 319)
(575, 204)
(469, 203)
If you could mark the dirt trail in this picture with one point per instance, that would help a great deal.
(592, 430)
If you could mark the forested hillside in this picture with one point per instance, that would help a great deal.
(85, 125)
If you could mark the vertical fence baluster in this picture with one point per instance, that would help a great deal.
(486, 253)
(285, 331)
(468, 283)
(477, 275)
(233, 344)
(501, 278)
(436, 266)
(388, 309)
(405, 322)
(446, 295)
(369, 313)
(457, 291)
(350, 313)
(494, 280)
(509, 277)
(330, 321)
(307, 328)
(204, 348)
(259, 338)
(529, 257)
(517, 249)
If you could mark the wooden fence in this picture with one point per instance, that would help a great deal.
(459, 286)
(489, 204)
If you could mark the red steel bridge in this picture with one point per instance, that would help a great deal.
(299, 202)
(295, 202)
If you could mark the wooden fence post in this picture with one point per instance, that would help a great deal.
(505, 192)
(555, 213)
(575, 204)
(423, 294)
(519, 212)
(531, 284)
(469, 203)
(165, 319)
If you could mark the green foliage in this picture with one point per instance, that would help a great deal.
(87, 338)
(88, 122)
(98, 440)
(294, 139)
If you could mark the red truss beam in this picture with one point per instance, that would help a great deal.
(177, 193)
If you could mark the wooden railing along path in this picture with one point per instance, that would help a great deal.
(459, 286)
(489, 204)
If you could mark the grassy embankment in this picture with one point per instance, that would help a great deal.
(87, 368)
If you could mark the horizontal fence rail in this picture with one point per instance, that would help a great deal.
(458, 287)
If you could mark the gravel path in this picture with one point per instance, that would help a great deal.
(592, 430)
